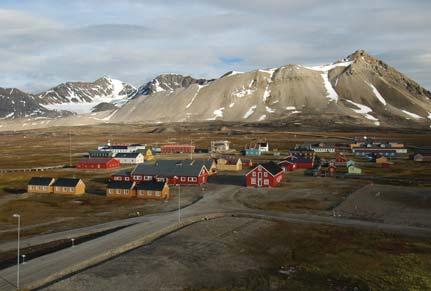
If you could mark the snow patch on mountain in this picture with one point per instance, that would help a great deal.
(364, 110)
(413, 115)
(262, 117)
(218, 113)
(377, 93)
(250, 112)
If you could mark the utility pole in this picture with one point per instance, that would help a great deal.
(18, 248)
(191, 150)
(70, 149)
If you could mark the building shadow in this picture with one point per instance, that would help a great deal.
(236, 180)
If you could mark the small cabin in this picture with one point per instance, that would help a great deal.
(422, 157)
(149, 155)
(69, 186)
(40, 185)
(354, 170)
(251, 152)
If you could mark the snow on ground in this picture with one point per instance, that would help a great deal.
(269, 110)
(377, 93)
(413, 115)
(275, 102)
(294, 112)
(263, 117)
(80, 108)
(241, 92)
(231, 105)
(217, 113)
(250, 112)
(290, 108)
(364, 110)
(9, 115)
(234, 73)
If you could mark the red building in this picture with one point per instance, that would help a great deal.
(264, 175)
(98, 163)
(177, 148)
(287, 166)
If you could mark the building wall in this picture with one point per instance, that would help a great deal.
(223, 166)
(177, 149)
(267, 180)
(126, 193)
(78, 190)
(39, 189)
(158, 195)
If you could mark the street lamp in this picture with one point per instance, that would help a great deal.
(17, 256)
(73, 242)
(23, 259)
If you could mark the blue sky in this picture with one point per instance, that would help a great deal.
(46, 42)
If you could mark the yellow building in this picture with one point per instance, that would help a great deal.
(149, 155)
(121, 189)
(229, 165)
(152, 190)
(40, 185)
(69, 186)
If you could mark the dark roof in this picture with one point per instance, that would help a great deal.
(127, 155)
(124, 173)
(206, 163)
(100, 152)
(66, 182)
(119, 147)
(95, 160)
(170, 168)
(296, 159)
(41, 181)
(150, 185)
(120, 185)
(272, 167)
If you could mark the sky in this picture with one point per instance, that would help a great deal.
(47, 42)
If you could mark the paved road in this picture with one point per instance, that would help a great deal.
(216, 203)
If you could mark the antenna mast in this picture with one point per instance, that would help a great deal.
(70, 149)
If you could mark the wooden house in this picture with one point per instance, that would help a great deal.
(124, 189)
(152, 190)
(100, 154)
(263, 146)
(177, 148)
(98, 163)
(422, 157)
(184, 172)
(130, 158)
(382, 160)
(340, 159)
(40, 185)
(247, 163)
(220, 146)
(122, 176)
(264, 175)
(69, 186)
(287, 165)
(354, 170)
(251, 152)
(148, 155)
(229, 164)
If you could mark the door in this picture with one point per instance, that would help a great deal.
(259, 179)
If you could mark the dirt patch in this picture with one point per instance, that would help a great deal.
(249, 254)
(390, 204)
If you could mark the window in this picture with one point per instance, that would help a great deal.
(71, 189)
(137, 177)
(110, 191)
(126, 179)
(254, 174)
(64, 189)
(157, 193)
(126, 191)
(183, 179)
(57, 189)
(147, 178)
(253, 180)
(190, 179)
(266, 182)
(149, 193)
(265, 174)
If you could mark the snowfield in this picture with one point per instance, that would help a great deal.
(250, 112)
(364, 110)
(413, 115)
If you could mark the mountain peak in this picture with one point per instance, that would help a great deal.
(358, 54)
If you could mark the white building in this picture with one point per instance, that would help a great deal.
(322, 148)
(130, 158)
(220, 146)
(263, 146)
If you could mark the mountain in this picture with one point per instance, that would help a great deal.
(168, 83)
(81, 97)
(17, 104)
(359, 90)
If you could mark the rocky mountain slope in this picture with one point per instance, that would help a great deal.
(168, 83)
(17, 104)
(81, 97)
(359, 89)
